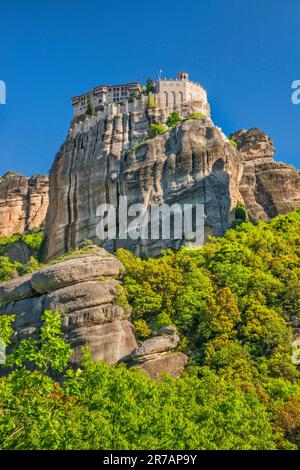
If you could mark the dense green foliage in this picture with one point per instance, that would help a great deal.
(156, 129)
(195, 116)
(103, 407)
(10, 269)
(151, 101)
(231, 302)
(173, 119)
(150, 86)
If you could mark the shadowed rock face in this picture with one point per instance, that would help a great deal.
(83, 289)
(268, 188)
(23, 202)
(192, 163)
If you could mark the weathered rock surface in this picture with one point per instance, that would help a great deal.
(18, 251)
(83, 289)
(154, 355)
(155, 345)
(72, 271)
(268, 188)
(109, 342)
(16, 289)
(170, 363)
(192, 163)
(81, 296)
(23, 202)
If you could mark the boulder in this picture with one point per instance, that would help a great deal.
(94, 316)
(155, 345)
(18, 252)
(110, 342)
(85, 267)
(171, 363)
(296, 349)
(154, 356)
(84, 289)
(16, 289)
(26, 311)
(167, 330)
(81, 296)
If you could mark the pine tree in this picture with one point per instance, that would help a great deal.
(90, 107)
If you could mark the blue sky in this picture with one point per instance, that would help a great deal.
(245, 53)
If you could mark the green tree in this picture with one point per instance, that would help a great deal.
(90, 111)
(173, 119)
(150, 85)
(156, 129)
(151, 101)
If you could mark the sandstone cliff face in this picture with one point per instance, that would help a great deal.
(192, 163)
(268, 188)
(23, 202)
(83, 289)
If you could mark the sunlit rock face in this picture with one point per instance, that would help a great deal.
(23, 202)
(192, 163)
(268, 188)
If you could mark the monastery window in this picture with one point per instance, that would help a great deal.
(166, 99)
(173, 98)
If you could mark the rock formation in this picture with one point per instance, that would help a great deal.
(18, 251)
(83, 288)
(23, 202)
(268, 188)
(192, 163)
(154, 355)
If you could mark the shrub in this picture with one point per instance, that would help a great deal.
(150, 87)
(151, 101)
(90, 107)
(240, 212)
(156, 129)
(173, 119)
(195, 116)
(142, 330)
